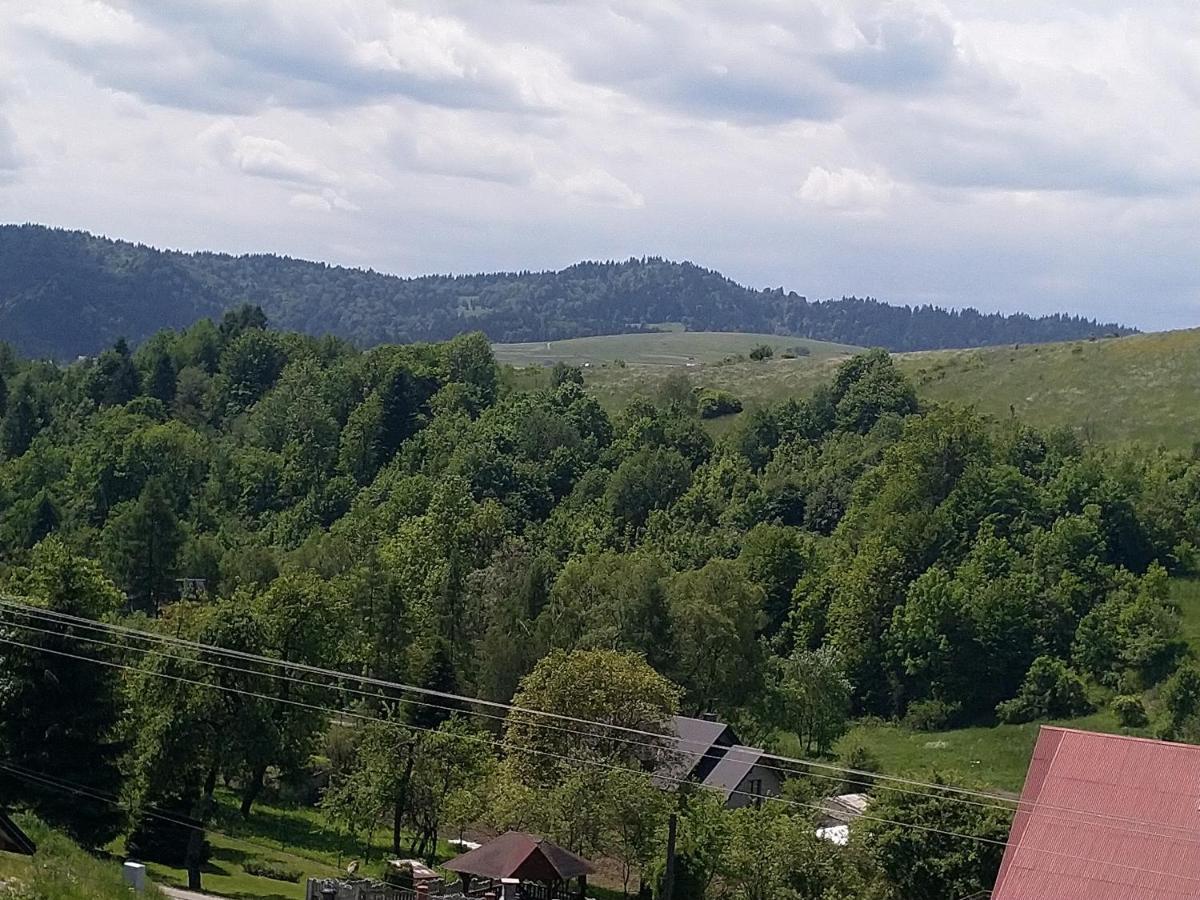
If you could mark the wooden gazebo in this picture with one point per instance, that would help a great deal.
(519, 866)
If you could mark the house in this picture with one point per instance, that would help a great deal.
(1105, 817)
(709, 753)
(13, 839)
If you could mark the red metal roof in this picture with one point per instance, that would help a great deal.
(1105, 817)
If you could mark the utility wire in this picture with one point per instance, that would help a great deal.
(942, 789)
(596, 763)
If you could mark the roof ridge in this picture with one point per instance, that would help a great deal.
(1182, 745)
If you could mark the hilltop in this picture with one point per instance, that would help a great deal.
(94, 290)
(1141, 388)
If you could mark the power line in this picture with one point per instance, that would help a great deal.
(596, 763)
(758, 755)
(495, 743)
(74, 787)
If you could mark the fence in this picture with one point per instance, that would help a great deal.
(333, 889)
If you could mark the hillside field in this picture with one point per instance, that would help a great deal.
(1143, 388)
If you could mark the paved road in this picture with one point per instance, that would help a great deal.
(181, 894)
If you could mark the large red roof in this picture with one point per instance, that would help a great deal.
(1105, 817)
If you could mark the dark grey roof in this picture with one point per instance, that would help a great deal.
(697, 739)
(732, 768)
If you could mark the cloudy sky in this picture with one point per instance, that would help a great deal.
(1007, 154)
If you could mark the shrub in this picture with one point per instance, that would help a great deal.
(761, 352)
(1130, 711)
(862, 760)
(718, 403)
(269, 868)
(931, 715)
(1050, 690)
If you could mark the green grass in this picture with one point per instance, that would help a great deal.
(1143, 388)
(60, 870)
(298, 838)
(711, 359)
(994, 756)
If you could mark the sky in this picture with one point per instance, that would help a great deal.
(1012, 155)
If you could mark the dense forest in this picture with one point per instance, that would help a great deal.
(403, 513)
(68, 293)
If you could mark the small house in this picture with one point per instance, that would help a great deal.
(709, 753)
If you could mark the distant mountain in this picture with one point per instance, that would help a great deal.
(67, 293)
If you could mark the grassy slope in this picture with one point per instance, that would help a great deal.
(61, 871)
(1144, 388)
(711, 359)
(995, 756)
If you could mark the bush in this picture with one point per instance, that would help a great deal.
(761, 352)
(931, 715)
(718, 403)
(863, 760)
(269, 868)
(1050, 690)
(1130, 711)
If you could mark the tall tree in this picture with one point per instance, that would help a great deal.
(141, 542)
(59, 714)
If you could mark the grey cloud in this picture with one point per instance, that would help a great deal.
(901, 49)
(10, 157)
(248, 56)
(1016, 155)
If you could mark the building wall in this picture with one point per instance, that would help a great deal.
(771, 784)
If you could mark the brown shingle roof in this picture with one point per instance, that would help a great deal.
(523, 856)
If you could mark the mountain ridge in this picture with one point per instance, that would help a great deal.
(96, 289)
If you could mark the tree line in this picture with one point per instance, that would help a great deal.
(94, 289)
(404, 514)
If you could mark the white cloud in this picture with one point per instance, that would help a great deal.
(1014, 155)
(598, 187)
(846, 190)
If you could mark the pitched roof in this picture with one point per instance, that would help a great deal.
(732, 768)
(701, 743)
(523, 856)
(1105, 817)
(13, 839)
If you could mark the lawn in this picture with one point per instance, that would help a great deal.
(298, 838)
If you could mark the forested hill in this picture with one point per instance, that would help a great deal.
(69, 293)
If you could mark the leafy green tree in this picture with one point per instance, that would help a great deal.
(869, 386)
(251, 363)
(59, 715)
(609, 601)
(773, 855)
(241, 319)
(468, 359)
(814, 698)
(114, 378)
(648, 480)
(1050, 690)
(23, 420)
(934, 862)
(160, 381)
(141, 543)
(774, 556)
(1180, 700)
(716, 615)
(602, 686)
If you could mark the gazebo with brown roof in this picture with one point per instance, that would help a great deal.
(525, 866)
